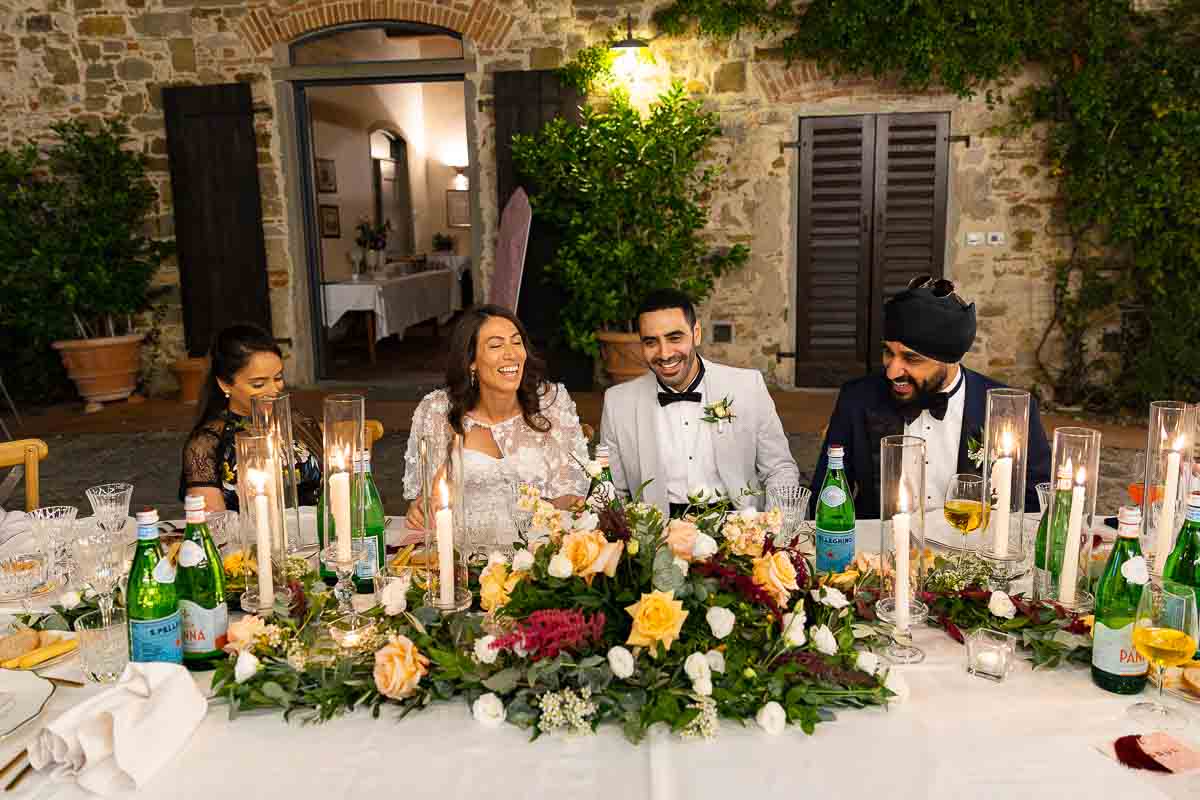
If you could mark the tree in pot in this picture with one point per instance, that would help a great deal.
(105, 259)
(628, 194)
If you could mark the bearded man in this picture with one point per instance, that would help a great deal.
(923, 391)
(691, 424)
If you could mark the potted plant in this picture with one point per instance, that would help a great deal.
(91, 240)
(628, 194)
(372, 237)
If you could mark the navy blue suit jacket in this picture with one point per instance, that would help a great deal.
(865, 413)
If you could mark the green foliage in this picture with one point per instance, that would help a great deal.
(591, 67)
(628, 194)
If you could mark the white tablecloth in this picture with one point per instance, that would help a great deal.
(397, 302)
(459, 264)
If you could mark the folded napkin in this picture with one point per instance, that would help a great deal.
(13, 523)
(116, 741)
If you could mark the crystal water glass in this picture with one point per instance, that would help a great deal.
(792, 502)
(101, 561)
(52, 526)
(110, 504)
(20, 575)
(103, 645)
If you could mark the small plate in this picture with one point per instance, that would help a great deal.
(23, 697)
(52, 585)
(50, 662)
(1174, 683)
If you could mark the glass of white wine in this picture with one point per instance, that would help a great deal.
(964, 509)
(1164, 633)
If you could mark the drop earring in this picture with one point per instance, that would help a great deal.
(474, 378)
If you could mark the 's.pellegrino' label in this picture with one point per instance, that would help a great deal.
(835, 549)
(833, 496)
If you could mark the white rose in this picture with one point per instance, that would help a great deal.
(488, 710)
(620, 661)
(592, 468)
(793, 630)
(771, 718)
(704, 548)
(720, 621)
(703, 687)
(897, 686)
(868, 662)
(720, 411)
(496, 557)
(395, 596)
(69, 600)
(696, 667)
(560, 566)
(831, 597)
(824, 640)
(1135, 571)
(587, 521)
(247, 664)
(522, 561)
(1001, 605)
(681, 565)
(484, 650)
(716, 660)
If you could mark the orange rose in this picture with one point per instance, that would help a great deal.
(590, 553)
(776, 574)
(681, 538)
(399, 667)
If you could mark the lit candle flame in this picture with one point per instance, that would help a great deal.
(258, 479)
(338, 460)
(1081, 476)
(444, 493)
(1006, 443)
(902, 500)
(1180, 441)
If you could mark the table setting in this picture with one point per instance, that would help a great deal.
(610, 649)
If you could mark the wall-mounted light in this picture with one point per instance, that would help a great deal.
(460, 182)
(626, 64)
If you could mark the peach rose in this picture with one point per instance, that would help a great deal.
(242, 633)
(776, 574)
(399, 667)
(590, 553)
(657, 617)
(496, 586)
(681, 538)
(745, 538)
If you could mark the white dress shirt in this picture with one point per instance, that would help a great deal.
(685, 448)
(941, 443)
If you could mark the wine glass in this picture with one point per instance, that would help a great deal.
(101, 557)
(1164, 633)
(52, 527)
(1137, 478)
(110, 504)
(792, 502)
(964, 508)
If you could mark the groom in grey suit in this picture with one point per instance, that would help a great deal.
(656, 429)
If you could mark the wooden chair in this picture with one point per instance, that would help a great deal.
(25, 453)
(374, 432)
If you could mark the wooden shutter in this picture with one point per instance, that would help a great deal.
(833, 249)
(524, 102)
(909, 236)
(213, 159)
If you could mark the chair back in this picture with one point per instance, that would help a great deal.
(374, 432)
(25, 453)
(510, 250)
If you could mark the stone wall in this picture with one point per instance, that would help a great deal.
(81, 58)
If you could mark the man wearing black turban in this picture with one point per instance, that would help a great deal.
(922, 391)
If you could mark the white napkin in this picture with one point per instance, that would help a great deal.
(13, 523)
(116, 741)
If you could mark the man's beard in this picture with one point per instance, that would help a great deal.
(922, 391)
(679, 382)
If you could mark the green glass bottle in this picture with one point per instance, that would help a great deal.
(1116, 666)
(1183, 564)
(1043, 577)
(150, 603)
(325, 572)
(603, 491)
(375, 524)
(835, 516)
(200, 585)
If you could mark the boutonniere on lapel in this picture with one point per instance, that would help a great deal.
(720, 413)
(975, 448)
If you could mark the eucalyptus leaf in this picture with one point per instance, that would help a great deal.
(503, 681)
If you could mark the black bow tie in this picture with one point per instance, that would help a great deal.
(935, 404)
(666, 398)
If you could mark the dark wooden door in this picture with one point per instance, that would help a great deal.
(213, 159)
(524, 102)
(872, 213)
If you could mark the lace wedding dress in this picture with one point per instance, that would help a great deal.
(549, 461)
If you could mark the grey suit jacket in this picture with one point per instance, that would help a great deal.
(752, 450)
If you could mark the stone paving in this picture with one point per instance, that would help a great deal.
(151, 462)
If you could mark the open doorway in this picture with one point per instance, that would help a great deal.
(390, 242)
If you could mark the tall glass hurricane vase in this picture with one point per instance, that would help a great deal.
(446, 539)
(273, 415)
(902, 541)
(344, 499)
(1169, 443)
(260, 497)
(1005, 462)
(1074, 468)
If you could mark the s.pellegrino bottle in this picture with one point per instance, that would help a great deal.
(603, 492)
(835, 516)
(150, 603)
(1116, 666)
(375, 528)
(1047, 576)
(200, 585)
(323, 570)
(1183, 564)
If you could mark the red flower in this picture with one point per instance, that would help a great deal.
(546, 633)
(953, 630)
(735, 581)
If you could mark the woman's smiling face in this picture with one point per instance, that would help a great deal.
(499, 356)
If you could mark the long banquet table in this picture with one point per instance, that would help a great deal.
(954, 736)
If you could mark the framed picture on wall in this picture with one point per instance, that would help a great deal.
(326, 175)
(330, 220)
(458, 208)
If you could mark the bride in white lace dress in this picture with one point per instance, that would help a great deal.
(517, 428)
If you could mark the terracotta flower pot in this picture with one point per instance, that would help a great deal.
(191, 373)
(622, 354)
(102, 369)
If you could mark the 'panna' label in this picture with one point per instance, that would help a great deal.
(1113, 651)
(204, 629)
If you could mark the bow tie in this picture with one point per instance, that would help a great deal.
(935, 404)
(666, 398)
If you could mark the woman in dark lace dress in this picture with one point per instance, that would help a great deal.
(246, 363)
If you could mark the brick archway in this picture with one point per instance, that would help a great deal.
(481, 21)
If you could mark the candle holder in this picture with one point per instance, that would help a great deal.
(1169, 443)
(273, 414)
(345, 510)
(343, 567)
(260, 499)
(446, 545)
(1075, 468)
(991, 654)
(902, 541)
(1005, 461)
